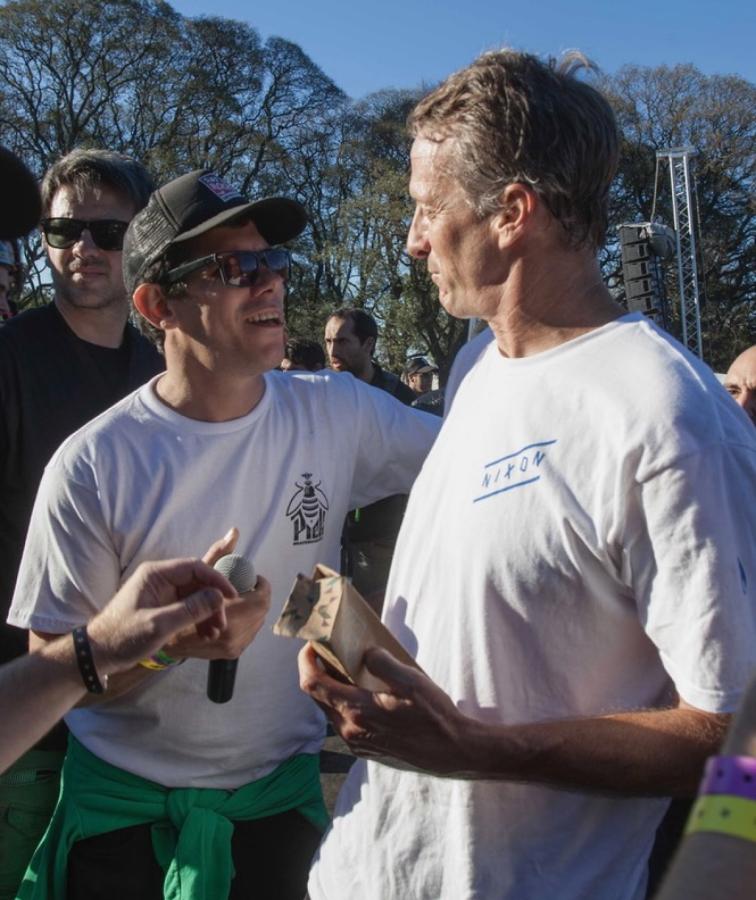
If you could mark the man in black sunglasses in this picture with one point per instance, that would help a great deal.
(221, 439)
(61, 365)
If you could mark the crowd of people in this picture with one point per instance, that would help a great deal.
(569, 555)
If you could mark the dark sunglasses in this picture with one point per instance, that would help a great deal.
(236, 268)
(64, 233)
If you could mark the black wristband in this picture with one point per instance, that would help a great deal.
(83, 651)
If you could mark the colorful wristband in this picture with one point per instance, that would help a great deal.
(159, 661)
(734, 775)
(724, 814)
(85, 662)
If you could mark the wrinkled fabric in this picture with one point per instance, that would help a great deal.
(191, 827)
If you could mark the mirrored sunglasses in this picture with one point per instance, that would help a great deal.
(236, 268)
(107, 234)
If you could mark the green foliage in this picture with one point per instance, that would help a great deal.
(181, 93)
(177, 93)
(667, 107)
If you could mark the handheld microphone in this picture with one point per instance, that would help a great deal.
(221, 673)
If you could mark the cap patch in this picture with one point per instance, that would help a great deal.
(222, 190)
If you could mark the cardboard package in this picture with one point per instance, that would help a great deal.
(326, 610)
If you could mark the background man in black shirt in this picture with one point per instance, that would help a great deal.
(369, 533)
(60, 366)
(350, 338)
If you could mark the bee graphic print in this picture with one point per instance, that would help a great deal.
(307, 510)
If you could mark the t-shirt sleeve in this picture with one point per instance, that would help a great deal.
(69, 569)
(692, 563)
(392, 442)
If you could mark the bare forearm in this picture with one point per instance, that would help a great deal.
(712, 865)
(709, 866)
(645, 753)
(157, 602)
(35, 691)
(118, 685)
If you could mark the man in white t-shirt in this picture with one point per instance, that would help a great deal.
(576, 571)
(168, 794)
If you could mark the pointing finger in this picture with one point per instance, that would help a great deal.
(220, 548)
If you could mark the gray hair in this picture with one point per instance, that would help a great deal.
(512, 118)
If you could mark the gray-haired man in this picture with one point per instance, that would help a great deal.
(576, 571)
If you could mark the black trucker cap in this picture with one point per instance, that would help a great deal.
(193, 204)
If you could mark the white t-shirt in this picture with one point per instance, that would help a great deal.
(142, 482)
(580, 541)
(466, 357)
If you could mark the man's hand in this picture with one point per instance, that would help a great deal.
(646, 752)
(414, 722)
(154, 603)
(245, 615)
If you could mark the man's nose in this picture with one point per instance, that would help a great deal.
(85, 243)
(267, 277)
(418, 245)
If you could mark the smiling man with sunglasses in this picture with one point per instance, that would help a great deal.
(196, 799)
(60, 366)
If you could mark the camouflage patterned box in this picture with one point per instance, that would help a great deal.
(326, 610)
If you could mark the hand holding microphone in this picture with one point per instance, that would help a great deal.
(221, 673)
(244, 616)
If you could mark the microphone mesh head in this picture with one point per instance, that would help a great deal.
(239, 571)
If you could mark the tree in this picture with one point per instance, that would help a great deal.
(362, 213)
(177, 93)
(182, 93)
(667, 107)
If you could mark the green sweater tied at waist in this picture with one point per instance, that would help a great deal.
(191, 827)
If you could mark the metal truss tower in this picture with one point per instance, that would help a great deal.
(685, 231)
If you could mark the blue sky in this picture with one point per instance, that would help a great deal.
(365, 46)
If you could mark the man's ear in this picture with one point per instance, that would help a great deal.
(151, 303)
(519, 204)
(369, 345)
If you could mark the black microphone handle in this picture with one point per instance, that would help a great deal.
(220, 679)
(221, 673)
